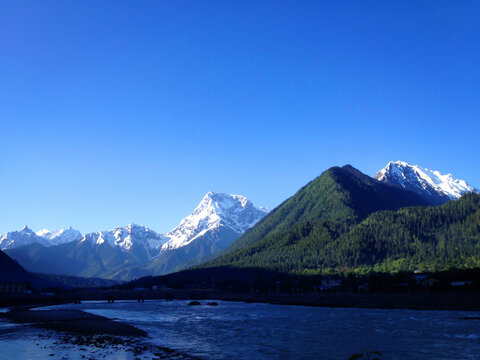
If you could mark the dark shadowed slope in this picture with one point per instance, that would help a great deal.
(11, 271)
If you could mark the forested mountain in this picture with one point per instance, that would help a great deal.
(341, 196)
(427, 238)
(352, 222)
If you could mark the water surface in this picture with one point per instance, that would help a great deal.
(235, 330)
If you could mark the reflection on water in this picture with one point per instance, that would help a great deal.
(262, 331)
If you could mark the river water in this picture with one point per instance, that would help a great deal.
(235, 330)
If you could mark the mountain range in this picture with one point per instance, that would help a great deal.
(316, 229)
(135, 250)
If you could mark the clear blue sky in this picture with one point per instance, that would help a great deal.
(114, 112)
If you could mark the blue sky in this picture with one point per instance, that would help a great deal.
(114, 112)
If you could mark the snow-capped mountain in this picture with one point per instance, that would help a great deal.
(432, 185)
(216, 210)
(215, 223)
(106, 254)
(136, 250)
(131, 238)
(60, 236)
(24, 236)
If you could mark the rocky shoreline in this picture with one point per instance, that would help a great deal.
(90, 336)
(73, 321)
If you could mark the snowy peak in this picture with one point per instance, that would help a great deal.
(24, 236)
(133, 234)
(432, 185)
(62, 236)
(236, 210)
(128, 238)
(26, 230)
(43, 233)
(216, 210)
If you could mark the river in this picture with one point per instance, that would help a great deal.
(235, 330)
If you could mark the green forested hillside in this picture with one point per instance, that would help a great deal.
(341, 195)
(429, 238)
(345, 221)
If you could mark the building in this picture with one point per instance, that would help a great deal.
(431, 282)
(13, 287)
(331, 284)
(461, 283)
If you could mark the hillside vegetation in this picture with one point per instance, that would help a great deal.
(345, 221)
(341, 195)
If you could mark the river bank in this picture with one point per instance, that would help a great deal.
(77, 334)
(72, 321)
